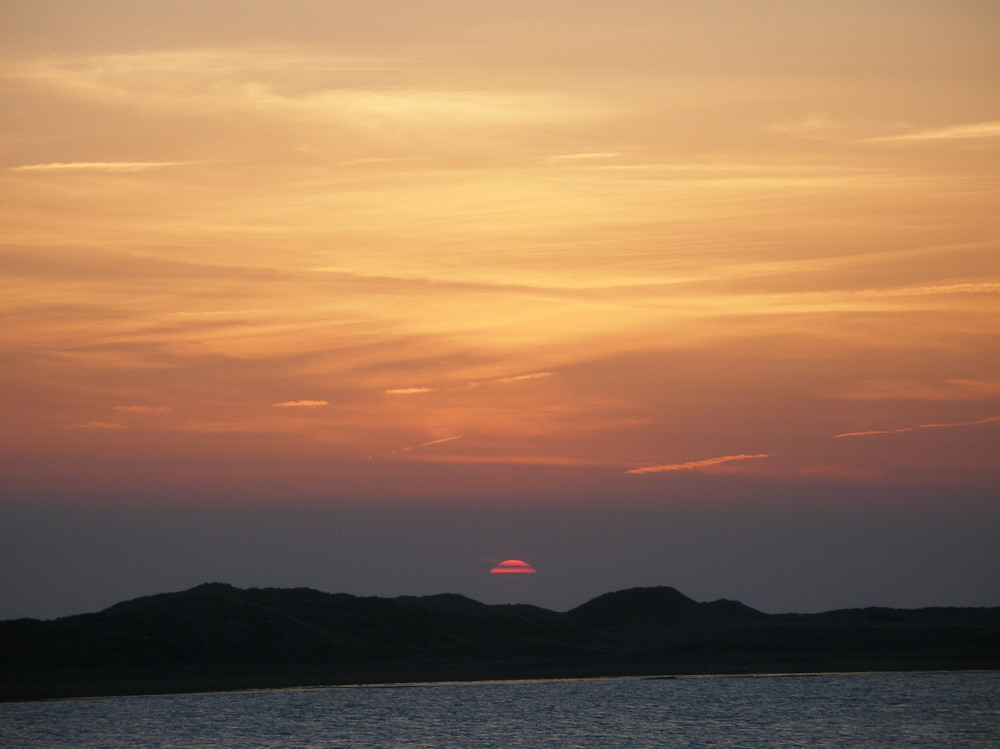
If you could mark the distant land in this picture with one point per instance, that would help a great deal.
(219, 637)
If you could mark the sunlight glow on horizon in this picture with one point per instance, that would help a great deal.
(513, 567)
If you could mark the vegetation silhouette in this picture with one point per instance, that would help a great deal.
(216, 636)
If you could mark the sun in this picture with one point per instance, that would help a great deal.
(513, 567)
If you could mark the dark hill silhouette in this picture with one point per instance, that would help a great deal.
(216, 636)
(659, 607)
(215, 624)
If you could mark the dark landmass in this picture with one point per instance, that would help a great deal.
(218, 637)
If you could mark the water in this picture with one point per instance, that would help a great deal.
(939, 710)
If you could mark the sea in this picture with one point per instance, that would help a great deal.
(890, 710)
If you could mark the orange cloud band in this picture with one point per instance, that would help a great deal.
(695, 465)
(902, 430)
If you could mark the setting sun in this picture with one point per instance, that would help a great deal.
(513, 566)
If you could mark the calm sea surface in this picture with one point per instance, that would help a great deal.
(939, 710)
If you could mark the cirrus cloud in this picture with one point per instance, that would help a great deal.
(965, 131)
(106, 425)
(528, 376)
(948, 390)
(696, 465)
(142, 410)
(96, 166)
(903, 430)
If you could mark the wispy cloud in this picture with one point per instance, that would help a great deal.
(813, 125)
(595, 156)
(968, 131)
(528, 376)
(903, 430)
(469, 385)
(440, 441)
(411, 448)
(819, 126)
(300, 404)
(520, 460)
(219, 313)
(979, 287)
(142, 410)
(258, 83)
(97, 166)
(697, 465)
(949, 390)
(383, 160)
(96, 425)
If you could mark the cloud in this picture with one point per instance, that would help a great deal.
(813, 125)
(969, 131)
(469, 385)
(98, 166)
(440, 441)
(821, 127)
(529, 376)
(266, 84)
(411, 448)
(981, 287)
(518, 460)
(96, 425)
(142, 410)
(902, 430)
(597, 155)
(949, 390)
(300, 404)
(222, 313)
(383, 160)
(696, 465)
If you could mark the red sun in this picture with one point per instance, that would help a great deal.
(513, 567)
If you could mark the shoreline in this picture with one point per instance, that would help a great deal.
(38, 686)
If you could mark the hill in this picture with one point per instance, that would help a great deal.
(216, 636)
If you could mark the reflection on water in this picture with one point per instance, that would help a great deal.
(832, 710)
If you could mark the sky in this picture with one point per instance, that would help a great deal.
(370, 296)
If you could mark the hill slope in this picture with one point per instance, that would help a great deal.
(233, 637)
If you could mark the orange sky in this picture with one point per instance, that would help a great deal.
(509, 251)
